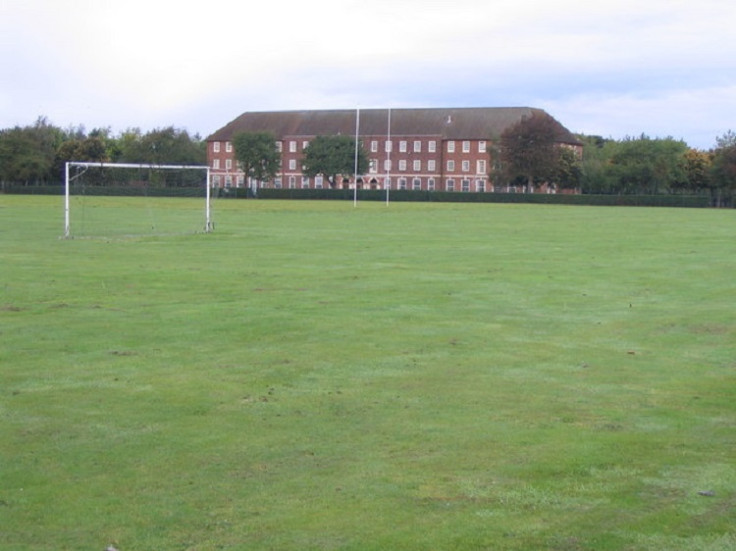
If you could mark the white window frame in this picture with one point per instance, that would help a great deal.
(417, 146)
(450, 184)
(216, 147)
(430, 184)
(292, 146)
(451, 146)
(482, 146)
(466, 166)
(466, 146)
(432, 146)
(450, 165)
(417, 165)
(374, 146)
(431, 165)
(416, 184)
(402, 165)
(402, 146)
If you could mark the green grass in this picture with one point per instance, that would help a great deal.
(419, 376)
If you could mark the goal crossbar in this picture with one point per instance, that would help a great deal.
(140, 166)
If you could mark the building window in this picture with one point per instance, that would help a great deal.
(482, 147)
(450, 184)
(277, 183)
(402, 183)
(305, 144)
(387, 183)
(480, 186)
(216, 180)
(417, 166)
(216, 147)
(402, 146)
(216, 164)
(432, 146)
(387, 165)
(373, 166)
(318, 182)
(430, 184)
(229, 147)
(228, 181)
(374, 146)
(292, 182)
(466, 146)
(417, 146)
(292, 164)
(480, 167)
(450, 166)
(402, 165)
(279, 146)
(466, 185)
(305, 182)
(416, 184)
(240, 181)
(451, 147)
(466, 166)
(292, 146)
(431, 165)
(228, 164)
(389, 146)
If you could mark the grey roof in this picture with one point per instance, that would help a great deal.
(446, 123)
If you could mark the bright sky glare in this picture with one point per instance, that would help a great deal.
(615, 69)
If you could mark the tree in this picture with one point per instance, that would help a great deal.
(333, 156)
(528, 150)
(27, 153)
(597, 176)
(646, 165)
(257, 155)
(723, 170)
(568, 172)
(697, 166)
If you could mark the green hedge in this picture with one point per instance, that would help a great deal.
(694, 201)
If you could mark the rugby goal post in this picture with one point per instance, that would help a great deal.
(86, 164)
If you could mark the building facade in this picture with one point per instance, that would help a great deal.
(411, 149)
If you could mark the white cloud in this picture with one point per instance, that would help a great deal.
(156, 62)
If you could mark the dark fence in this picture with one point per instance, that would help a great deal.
(692, 201)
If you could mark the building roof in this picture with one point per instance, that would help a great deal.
(467, 123)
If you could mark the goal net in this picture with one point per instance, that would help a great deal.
(124, 199)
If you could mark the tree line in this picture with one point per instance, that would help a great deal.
(527, 154)
(36, 154)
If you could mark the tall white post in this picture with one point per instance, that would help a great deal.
(355, 171)
(208, 219)
(66, 201)
(388, 157)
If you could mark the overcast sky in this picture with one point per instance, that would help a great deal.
(614, 68)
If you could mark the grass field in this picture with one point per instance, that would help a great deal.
(314, 376)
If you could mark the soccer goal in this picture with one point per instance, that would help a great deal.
(124, 199)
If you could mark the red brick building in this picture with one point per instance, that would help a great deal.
(414, 149)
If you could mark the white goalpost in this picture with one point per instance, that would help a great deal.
(147, 168)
